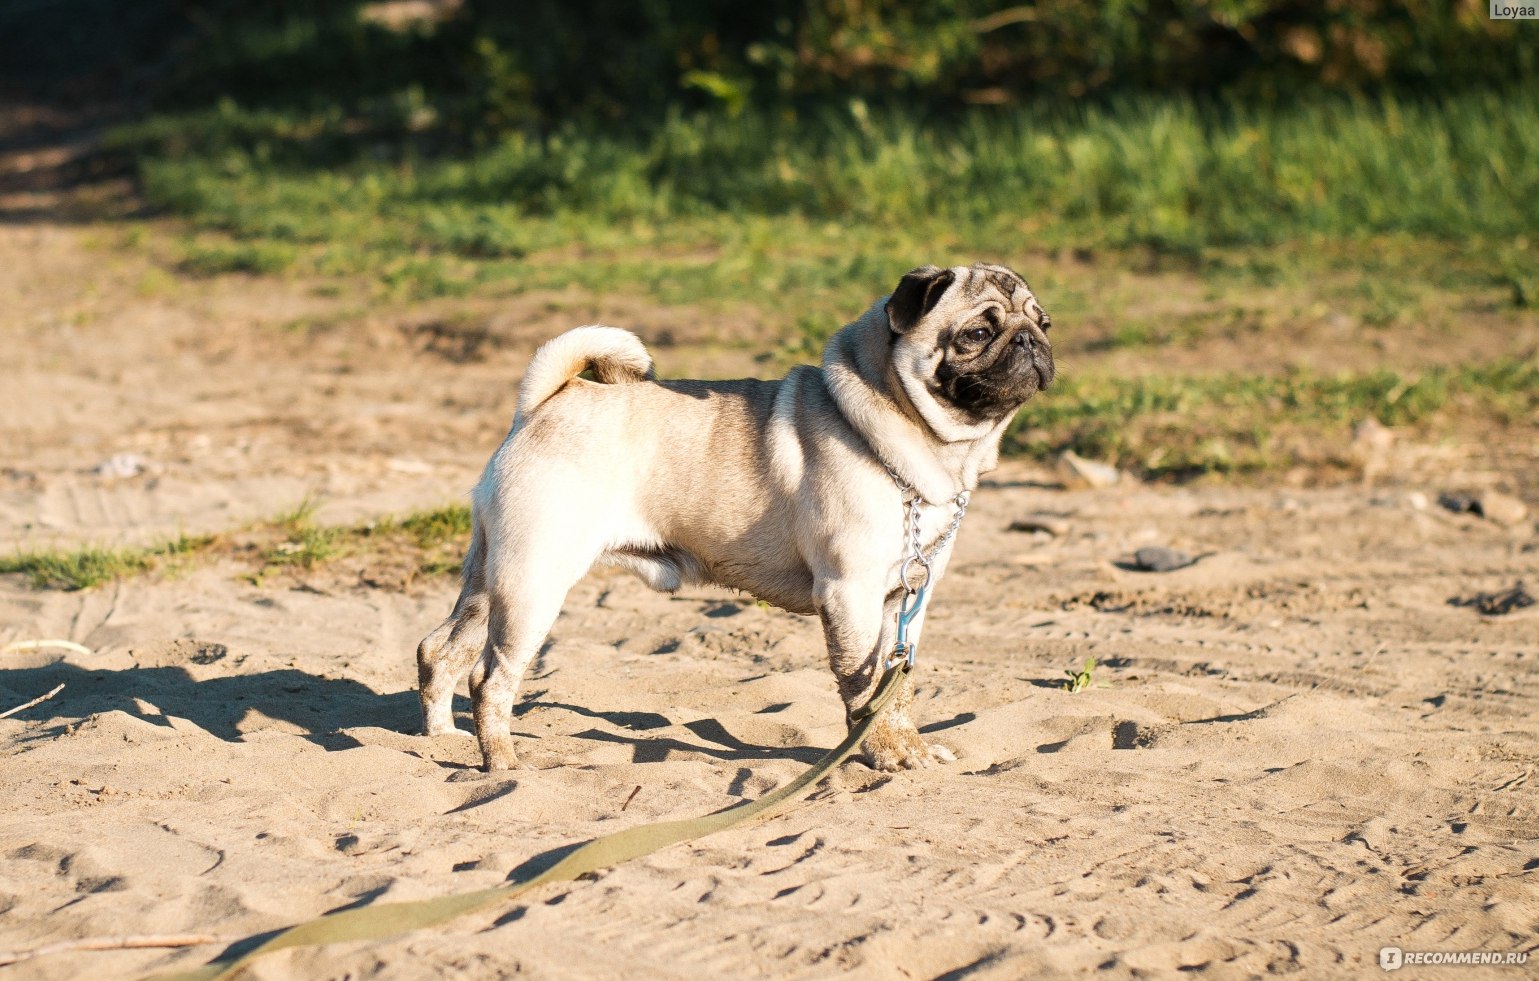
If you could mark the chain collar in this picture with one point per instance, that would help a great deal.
(917, 562)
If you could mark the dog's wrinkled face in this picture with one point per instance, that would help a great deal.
(970, 345)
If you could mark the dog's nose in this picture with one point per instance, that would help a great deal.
(1021, 338)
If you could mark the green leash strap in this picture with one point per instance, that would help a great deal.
(391, 919)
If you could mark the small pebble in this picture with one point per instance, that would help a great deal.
(1040, 522)
(121, 466)
(1504, 509)
(1499, 603)
(1156, 558)
(1458, 503)
(1080, 472)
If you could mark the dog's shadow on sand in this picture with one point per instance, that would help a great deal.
(716, 742)
(219, 705)
(322, 707)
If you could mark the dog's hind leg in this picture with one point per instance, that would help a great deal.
(446, 654)
(524, 603)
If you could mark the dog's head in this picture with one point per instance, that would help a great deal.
(970, 345)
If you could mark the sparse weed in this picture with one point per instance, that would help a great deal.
(82, 568)
(299, 517)
(263, 258)
(307, 547)
(435, 540)
(1084, 678)
(76, 569)
(430, 529)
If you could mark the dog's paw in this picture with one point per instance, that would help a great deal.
(903, 749)
(450, 730)
(498, 755)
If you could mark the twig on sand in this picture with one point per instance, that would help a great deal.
(43, 645)
(16, 646)
(22, 708)
(129, 942)
(630, 798)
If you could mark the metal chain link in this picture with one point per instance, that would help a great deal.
(914, 596)
(951, 530)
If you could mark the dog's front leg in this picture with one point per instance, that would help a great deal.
(860, 633)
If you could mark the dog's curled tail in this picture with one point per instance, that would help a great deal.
(612, 354)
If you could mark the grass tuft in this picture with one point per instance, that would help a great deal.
(82, 568)
(431, 529)
(204, 258)
(430, 543)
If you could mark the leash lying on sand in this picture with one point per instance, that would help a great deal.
(382, 920)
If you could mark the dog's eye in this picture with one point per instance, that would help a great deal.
(977, 335)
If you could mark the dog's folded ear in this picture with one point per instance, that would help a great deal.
(916, 295)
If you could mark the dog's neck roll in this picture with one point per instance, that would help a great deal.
(855, 370)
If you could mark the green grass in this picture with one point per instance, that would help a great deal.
(1166, 172)
(77, 569)
(307, 547)
(301, 541)
(437, 537)
(433, 529)
(89, 566)
(706, 206)
(433, 540)
(201, 258)
(1181, 426)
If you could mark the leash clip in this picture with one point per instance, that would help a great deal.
(913, 601)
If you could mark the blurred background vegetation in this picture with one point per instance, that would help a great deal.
(484, 67)
(798, 155)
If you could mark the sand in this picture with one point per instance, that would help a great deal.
(1298, 750)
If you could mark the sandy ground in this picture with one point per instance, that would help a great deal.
(1305, 751)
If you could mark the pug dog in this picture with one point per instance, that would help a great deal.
(795, 491)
